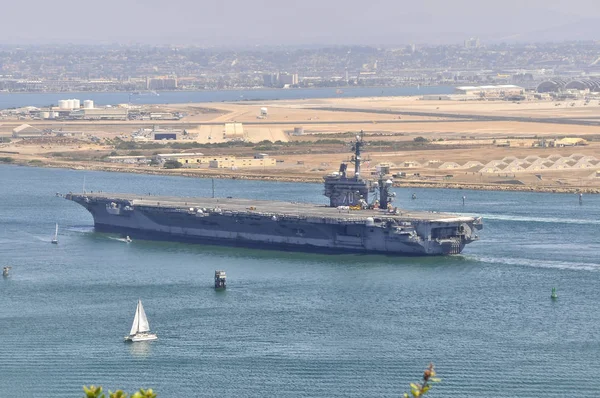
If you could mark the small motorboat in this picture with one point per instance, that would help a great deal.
(220, 280)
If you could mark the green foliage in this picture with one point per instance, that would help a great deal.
(4, 139)
(419, 389)
(144, 394)
(420, 139)
(173, 164)
(93, 392)
(266, 147)
(6, 159)
(126, 145)
(96, 392)
(329, 141)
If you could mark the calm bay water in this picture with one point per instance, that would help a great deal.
(291, 324)
(10, 100)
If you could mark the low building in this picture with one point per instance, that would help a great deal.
(410, 164)
(234, 131)
(129, 159)
(383, 168)
(163, 157)
(164, 136)
(449, 165)
(500, 91)
(167, 134)
(196, 161)
(164, 116)
(25, 131)
(235, 163)
(450, 97)
(570, 142)
(111, 113)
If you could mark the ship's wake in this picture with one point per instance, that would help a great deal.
(84, 229)
(119, 239)
(552, 220)
(538, 263)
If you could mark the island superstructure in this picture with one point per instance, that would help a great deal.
(351, 223)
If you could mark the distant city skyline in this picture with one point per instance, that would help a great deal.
(310, 22)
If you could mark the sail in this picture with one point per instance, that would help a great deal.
(143, 325)
(56, 233)
(136, 320)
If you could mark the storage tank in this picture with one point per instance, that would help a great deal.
(76, 104)
(63, 104)
(263, 111)
(88, 104)
(54, 115)
(70, 104)
(45, 115)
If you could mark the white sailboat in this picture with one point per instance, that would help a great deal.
(55, 239)
(140, 330)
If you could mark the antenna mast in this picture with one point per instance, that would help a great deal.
(356, 147)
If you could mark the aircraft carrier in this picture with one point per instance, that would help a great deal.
(351, 222)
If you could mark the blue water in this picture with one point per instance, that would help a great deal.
(11, 100)
(292, 324)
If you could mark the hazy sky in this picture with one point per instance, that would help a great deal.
(244, 22)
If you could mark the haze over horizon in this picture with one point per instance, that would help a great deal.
(311, 22)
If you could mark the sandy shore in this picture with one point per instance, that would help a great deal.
(401, 183)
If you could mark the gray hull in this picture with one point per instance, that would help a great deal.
(279, 225)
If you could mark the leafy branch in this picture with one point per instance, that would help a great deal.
(96, 392)
(420, 389)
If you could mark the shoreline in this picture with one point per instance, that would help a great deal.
(258, 89)
(313, 180)
(237, 95)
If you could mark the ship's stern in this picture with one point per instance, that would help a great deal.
(450, 236)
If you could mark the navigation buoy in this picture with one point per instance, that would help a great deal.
(414, 196)
(580, 198)
(554, 296)
(464, 197)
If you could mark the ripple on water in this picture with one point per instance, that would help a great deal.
(296, 324)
